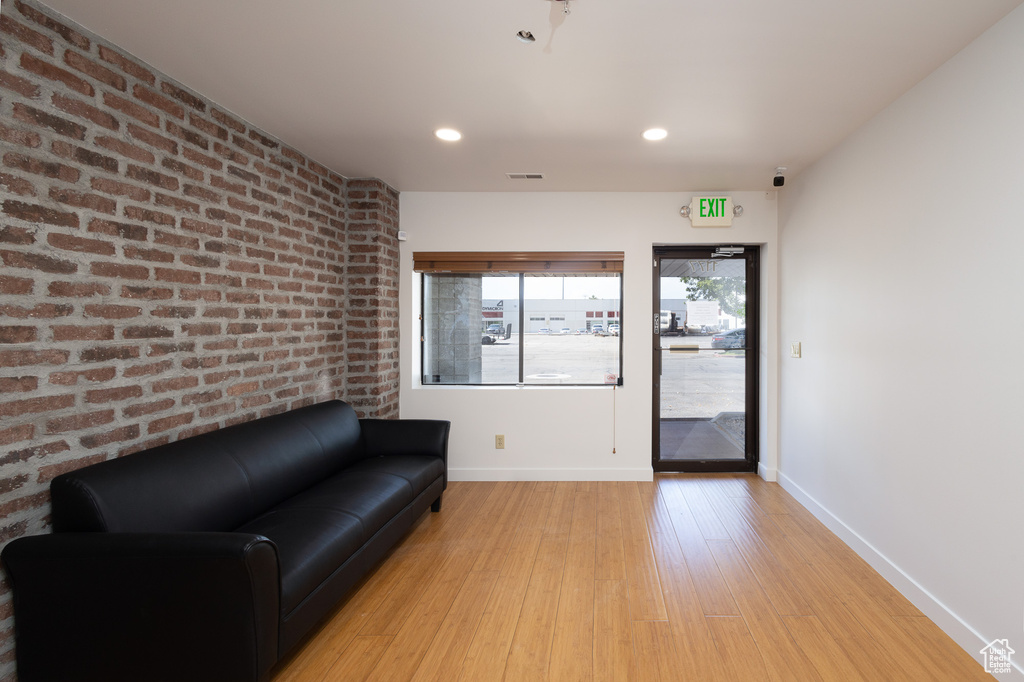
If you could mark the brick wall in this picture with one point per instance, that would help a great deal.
(165, 268)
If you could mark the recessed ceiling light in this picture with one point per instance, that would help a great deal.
(655, 134)
(525, 37)
(448, 134)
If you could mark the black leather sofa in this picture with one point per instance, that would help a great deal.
(209, 558)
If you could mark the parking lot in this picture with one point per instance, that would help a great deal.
(700, 384)
(552, 359)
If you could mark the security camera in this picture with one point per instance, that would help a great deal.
(779, 180)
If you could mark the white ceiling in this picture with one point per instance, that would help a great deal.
(742, 86)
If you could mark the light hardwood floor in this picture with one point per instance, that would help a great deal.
(694, 577)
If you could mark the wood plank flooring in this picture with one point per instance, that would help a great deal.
(692, 577)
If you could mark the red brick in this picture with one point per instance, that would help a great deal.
(147, 215)
(202, 159)
(16, 434)
(152, 177)
(16, 185)
(81, 200)
(180, 168)
(22, 86)
(175, 384)
(199, 261)
(26, 35)
(120, 435)
(147, 293)
(17, 334)
(94, 70)
(183, 96)
(152, 139)
(77, 289)
(223, 216)
(218, 410)
(69, 242)
(179, 276)
(84, 155)
(109, 395)
(55, 123)
(147, 332)
(15, 259)
(181, 205)
(52, 471)
(81, 333)
(197, 192)
(144, 94)
(17, 385)
(112, 312)
(120, 271)
(201, 398)
(108, 353)
(158, 425)
(190, 136)
(120, 189)
(126, 65)
(80, 109)
(228, 120)
(22, 236)
(136, 233)
(207, 127)
(156, 349)
(142, 409)
(64, 31)
(201, 227)
(36, 166)
(36, 501)
(35, 405)
(150, 369)
(126, 149)
(223, 183)
(180, 241)
(55, 73)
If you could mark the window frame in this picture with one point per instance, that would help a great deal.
(522, 265)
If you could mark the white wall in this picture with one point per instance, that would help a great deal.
(901, 275)
(568, 433)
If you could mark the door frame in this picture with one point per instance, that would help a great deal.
(751, 254)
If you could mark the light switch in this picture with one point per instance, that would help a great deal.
(794, 350)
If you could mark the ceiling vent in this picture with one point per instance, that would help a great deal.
(524, 176)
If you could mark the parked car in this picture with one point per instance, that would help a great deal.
(494, 328)
(737, 338)
(544, 330)
(597, 329)
(581, 331)
(613, 329)
(566, 330)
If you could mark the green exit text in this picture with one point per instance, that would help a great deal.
(712, 207)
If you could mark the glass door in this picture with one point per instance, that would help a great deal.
(705, 358)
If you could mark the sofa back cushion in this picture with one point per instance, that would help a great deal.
(212, 482)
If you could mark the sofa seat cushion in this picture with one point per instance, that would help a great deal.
(419, 470)
(320, 529)
(311, 544)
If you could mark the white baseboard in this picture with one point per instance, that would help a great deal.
(963, 634)
(769, 474)
(475, 474)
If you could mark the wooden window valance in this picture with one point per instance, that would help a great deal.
(530, 262)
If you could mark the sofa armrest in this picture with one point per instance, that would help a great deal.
(144, 606)
(406, 437)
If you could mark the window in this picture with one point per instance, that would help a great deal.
(543, 336)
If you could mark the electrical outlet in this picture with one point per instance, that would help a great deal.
(794, 350)
(499, 442)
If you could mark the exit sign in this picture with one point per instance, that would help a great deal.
(711, 211)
